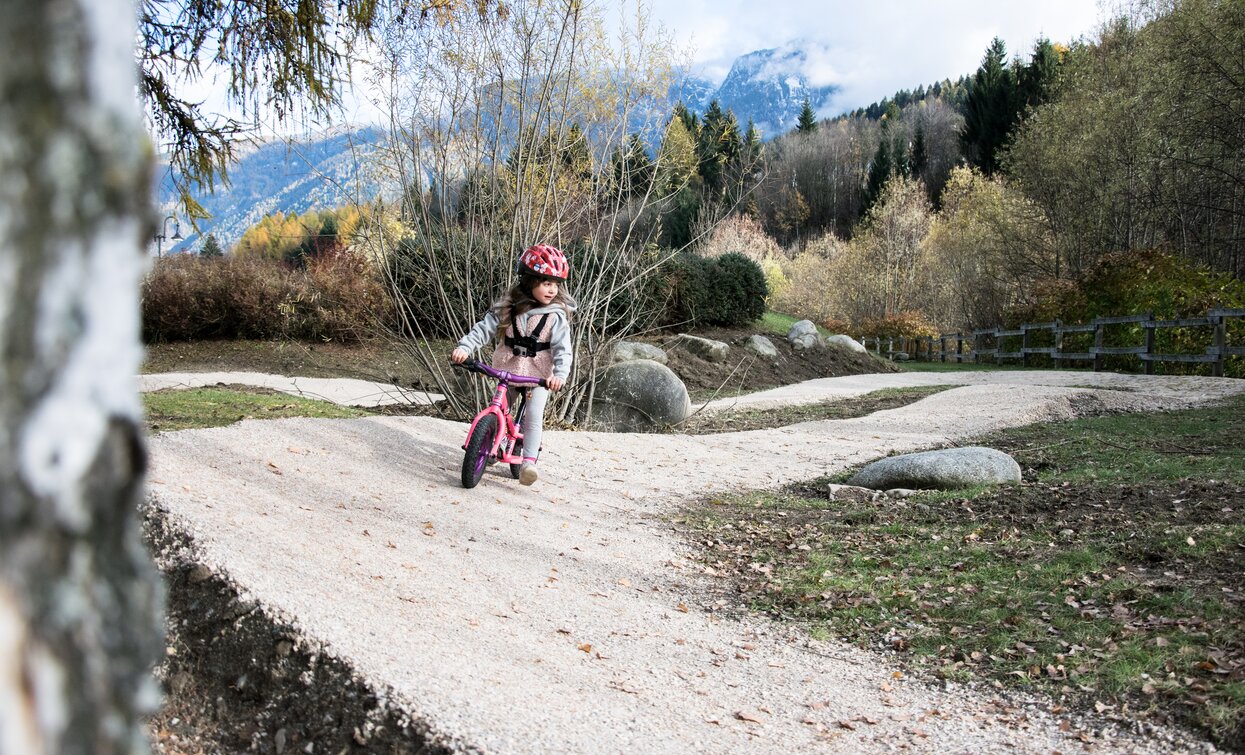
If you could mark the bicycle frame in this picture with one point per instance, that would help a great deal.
(500, 408)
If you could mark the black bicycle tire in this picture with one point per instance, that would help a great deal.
(479, 444)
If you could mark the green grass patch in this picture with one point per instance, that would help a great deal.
(1113, 577)
(735, 420)
(780, 324)
(215, 407)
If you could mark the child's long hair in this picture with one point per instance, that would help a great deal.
(519, 299)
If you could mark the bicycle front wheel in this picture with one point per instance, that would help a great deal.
(479, 447)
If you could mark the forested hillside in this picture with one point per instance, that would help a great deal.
(1106, 176)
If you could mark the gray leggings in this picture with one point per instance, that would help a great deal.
(533, 418)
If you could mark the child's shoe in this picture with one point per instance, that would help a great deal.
(527, 472)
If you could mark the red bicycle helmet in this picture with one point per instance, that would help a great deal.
(544, 261)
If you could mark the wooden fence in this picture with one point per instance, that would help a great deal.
(1047, 339)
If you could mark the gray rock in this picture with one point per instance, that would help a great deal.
(804, 335)
(627, 351)
(638, 396)
(761, 346)
(705, 348)
(949, 469)
(900, 493)
(899, 356)
(846, 342)
(852, 492)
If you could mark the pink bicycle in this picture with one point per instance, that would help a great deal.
(494, 435)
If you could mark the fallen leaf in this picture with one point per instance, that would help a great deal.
(744, 715)
(625, 582)
(274, 468)
(846, 725)
(682, 607)
(586, 647)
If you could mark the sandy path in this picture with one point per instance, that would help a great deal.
(476, 609)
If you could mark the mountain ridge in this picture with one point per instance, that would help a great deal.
(767, 87)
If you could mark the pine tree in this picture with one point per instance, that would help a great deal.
(920, 154)
(808, 119)
(718, 146)
(1037, 78)
(211, 247)
(880, 171)
(991, 110)
(753, 148)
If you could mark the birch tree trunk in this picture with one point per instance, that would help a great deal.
(79, 599)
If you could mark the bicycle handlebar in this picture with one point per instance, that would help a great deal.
(509, 378)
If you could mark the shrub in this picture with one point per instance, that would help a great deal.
(809, 290)
(740, 234)
(910, 324)
(728, 291)
(189, 298)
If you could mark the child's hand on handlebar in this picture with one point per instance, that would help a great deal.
(555, 383)
(458, 356)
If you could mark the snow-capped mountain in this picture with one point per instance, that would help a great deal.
(767, 86)
(291, 176)
(770, 86)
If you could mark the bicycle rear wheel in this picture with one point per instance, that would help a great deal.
(479, 448)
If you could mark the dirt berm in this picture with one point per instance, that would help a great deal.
(341, 591)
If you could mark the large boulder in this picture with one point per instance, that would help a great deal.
(846, 342)
(628, 351)
(638, 396)
(949, 469)
(804, 335)
(705, 348)
(761, 346)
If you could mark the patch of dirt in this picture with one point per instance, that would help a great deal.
(744, 371)
(236, 679)
(760, 419)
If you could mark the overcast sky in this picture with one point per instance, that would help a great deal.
(871, 48)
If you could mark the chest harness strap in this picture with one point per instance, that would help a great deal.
(528, 346)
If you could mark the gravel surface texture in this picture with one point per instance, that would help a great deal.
(565, 617)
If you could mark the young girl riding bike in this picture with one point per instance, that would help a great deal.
(530, 330)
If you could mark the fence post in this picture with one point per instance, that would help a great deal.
(1055, 355)
(1098, 333)
(942, 347)
(959, 348)
(1024, 345)
(890, 348)
(1148, 368)
(1221, 343)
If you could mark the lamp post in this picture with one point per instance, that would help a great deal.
(164, 229)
